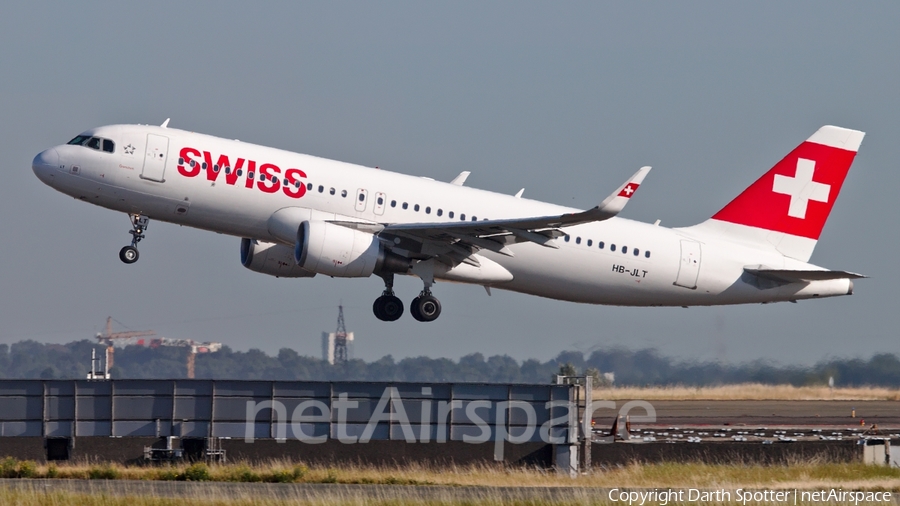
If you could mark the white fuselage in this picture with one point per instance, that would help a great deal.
(651, 265)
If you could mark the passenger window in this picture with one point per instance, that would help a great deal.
(393, 203)
(332, 191)
(344, 193)
(216, 168)
(262, 177)
(428, 210)
(646, 254)
(474, 218)
(590, 242)
(240, 172)
(440, 212)
(624, 249)
(462, 217)
(380, 201)
(601, 244)
(416, 208)
(93, 143)
(362, 197)
(321, 188)
(450, 214)
(578, 240)
(251, 175)
(108, 146)
(612, 247)
(405, 205)
(567, 238)
(308, 185)
(637, 252)
(203, 165)
(228, 170)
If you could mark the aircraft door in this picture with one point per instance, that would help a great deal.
(155, 158)
(361, 196)
(689, 269)
(380, 199)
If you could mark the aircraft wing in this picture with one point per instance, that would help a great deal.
(495, 235)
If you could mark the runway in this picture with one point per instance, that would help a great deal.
(775, 413)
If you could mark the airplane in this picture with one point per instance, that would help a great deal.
(298, 216)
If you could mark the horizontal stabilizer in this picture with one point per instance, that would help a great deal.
(793, 276)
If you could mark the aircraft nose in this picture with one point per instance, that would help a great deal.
(45, 162)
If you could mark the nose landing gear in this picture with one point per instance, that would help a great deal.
(139, 223)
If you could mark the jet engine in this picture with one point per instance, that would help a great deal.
(338, 251)
(272, 259)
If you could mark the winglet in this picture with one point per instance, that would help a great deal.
(611, 205)
(461, 178)
(614, 204)
(165, 123)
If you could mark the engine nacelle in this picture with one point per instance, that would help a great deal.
(338, 251)
(272, 259)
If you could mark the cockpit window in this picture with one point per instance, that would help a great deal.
(94, 143)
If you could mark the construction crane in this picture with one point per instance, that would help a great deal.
(193, 348)
(128, 337)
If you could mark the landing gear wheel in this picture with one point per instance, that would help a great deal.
(392, 308)
(425, 308)
(414, 309)
(139, 222)
(129, 254)
(388, 308)
(377, 308)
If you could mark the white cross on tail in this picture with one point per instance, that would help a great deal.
(801, 188)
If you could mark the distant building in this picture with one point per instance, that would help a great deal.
(328, 346)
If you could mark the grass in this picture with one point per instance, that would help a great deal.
(39, 498)
(809, 473)
(748, 391)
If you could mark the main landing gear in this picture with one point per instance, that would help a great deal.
(388, 308)
(139, 222)
(425, 307)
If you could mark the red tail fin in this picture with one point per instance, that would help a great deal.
(796, 195)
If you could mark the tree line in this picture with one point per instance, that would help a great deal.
(31, 359)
